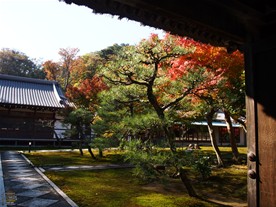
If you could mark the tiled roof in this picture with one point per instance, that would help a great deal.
(30, 93)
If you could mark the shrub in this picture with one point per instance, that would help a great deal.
(151, 163)
(145, 157)
(203, 167)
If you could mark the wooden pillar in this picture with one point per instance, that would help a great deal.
(260, 57)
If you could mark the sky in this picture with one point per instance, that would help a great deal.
(39, 28)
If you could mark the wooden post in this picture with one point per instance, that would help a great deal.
(261, 121)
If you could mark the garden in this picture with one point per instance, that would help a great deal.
(125, 187)
(128, 101)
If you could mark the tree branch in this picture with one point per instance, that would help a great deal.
(116, 82)
(188, 91)
(136, 81)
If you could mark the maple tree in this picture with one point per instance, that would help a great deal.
(225, 89)
(85, 82)
(85, 93)
(61, 71)
(52, 70)
(68, 57)
(77, 75)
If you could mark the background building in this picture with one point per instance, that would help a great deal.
(30, 111)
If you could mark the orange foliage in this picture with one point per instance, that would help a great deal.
(219, 65)
(85, 94)
(51, 69)
(215, 59)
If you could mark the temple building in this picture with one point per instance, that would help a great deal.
(30, 111)
(197, 132)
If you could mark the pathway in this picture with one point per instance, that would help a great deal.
(25, 185)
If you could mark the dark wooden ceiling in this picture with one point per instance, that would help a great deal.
(227, 23)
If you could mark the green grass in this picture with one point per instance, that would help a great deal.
(67, 158)
(96, 188)
(161, 200)
(226, 182)
(118, 188)
(242, 150)
(226, 153)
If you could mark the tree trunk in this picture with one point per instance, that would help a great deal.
(90, 152)
(160, 111)
(80, 134)
(187, 183)
(100, 152)
(67, 77)
(231, 136)
(243, 124)
(170, 138)
(213, 137)
(58, 139)
(80, 148)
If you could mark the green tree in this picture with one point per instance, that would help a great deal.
(80, 121)
(166, 77)
(147, 66)
(111, 51)
(16, 63)
(110, 113)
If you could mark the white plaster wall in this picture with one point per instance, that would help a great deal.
(60, 128)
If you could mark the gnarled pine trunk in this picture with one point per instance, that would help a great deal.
(187, 183)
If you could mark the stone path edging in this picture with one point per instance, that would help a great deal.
(86, 167)
(2, 188)
(57, 189)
